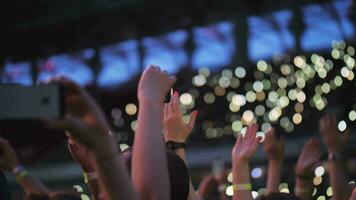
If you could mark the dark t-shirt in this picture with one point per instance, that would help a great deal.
(5, 193)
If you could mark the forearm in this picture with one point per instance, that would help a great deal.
(339, 185)
(241, 177)
(303, 188)
(32, 185)
(274, 175)
(95, 189)
(206, 186)
(149, 161)
(114, 178)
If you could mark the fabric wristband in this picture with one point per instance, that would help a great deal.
(243, 186)
(19, 172)
(89, 176)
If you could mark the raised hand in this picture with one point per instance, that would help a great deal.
(245, 147)
(329, 133)
(273, 146)
(308, 158)
(174, 127)
(8, 158)
(84, 119)
(154, 84)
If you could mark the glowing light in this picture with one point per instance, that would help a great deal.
(300, 83)
(273, 96)
(116, 113)
(286, 70)
(325, 88)
(282, 82)
(352, 115)
(84, 197)
(224, 82)
(290, 127)
(247, 116)
(219, 91)
(342, 126)
(250, 96)
(284, 122)
(133, 125)
(344, 72)
(209, 98)
(229, 177)
(301, 97)
(199, 80)
(258, 86)
(239, 100)
(233, 107)
(282, 186)
(240, 72)
(204, 71)
(285, 190)
(338, 81)
(131, 109)
(186, 98)
(254, 194)
(292, 94)
(321, 198)
(317, 180)
(227, 73)
(297, 118)
(260, 96)
(123, 146)
(262, 65)
(299, 62)
(234, 82)
(260, 110)
(335, 54)
(319, 171)
(78, 188)
(230, 190)
(299, 107)
(256, 172)
(275, 113)
(283, 101)
(329, 191)
(351, 76)
(236, 126)
(266, 127)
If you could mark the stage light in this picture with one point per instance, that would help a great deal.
(299, 62)
(282, 82)
(273, 96)
(227, 73)
(338, 81)
(123, 146)
(199, 80)
(262, 65)
(260, 96)
(116, 113)
(254, 194)
(229, 190)
(286, 69)
(119, 122)
(247, 117)
(224, 82)
(240, 72)
(290, 127)
(237, 126)
(259, 110)
(325, 88)
(258, 86)
(239, 100)
(342, 126)
(274, 114)
(131, 109)
(229, 177)
(219, 91)
(262, 135)
(344, 72)
(209, 98)
(317, 180)
(234, 82)
(233, 107)
(229, 96)
(351, 76)
(266, 84)
(204, 71)
(284, 122)
(301, 97)
(266, 126)
(250, 96)
(283, 101)
(285, 190)
(351, 51)
(133, 125)
(297, 118)
(321, 198)
(319, 171)
(186, 99)
(352, 115)
(298, 107)
(292, 94)
(329, 191)
(300, 83)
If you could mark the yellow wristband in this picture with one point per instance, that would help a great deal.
(243, 186)
(89, 176)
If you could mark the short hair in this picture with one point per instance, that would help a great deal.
(279, 196)
(177, 171)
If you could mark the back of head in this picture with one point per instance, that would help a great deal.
(178, 174)
(280, 196)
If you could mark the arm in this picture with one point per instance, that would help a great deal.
(9, 162)
(244, 148)
(206, 186)
(149, 161)
(86, 161)
(86, 123)
(177, 131)
(334, 144)
(304, 170)
(274, 149)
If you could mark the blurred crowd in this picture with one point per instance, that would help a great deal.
(155, 167)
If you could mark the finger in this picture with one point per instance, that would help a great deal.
(239, 139)
(172, 80)
(175, 103)
(193, 117)
(165, 111)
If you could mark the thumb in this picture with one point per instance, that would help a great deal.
(193, 117)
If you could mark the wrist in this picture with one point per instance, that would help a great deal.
(144, 98)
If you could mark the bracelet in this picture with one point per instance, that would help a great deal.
(243, 186)
(172, 145)
(89, 176)
(19, 172)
